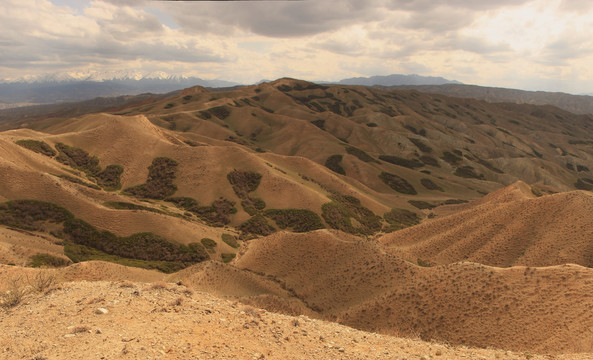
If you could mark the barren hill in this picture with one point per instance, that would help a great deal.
(506, 228)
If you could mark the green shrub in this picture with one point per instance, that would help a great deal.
(333, 163)
(109, 178)
(257, 225)
(361, 155)
(421, 204)
(45, 260)
(78, 159)
(423, 263)
(338, 214)
(159, 183)
(230, 240)
(169, 105)
(299, 220)
(28, 214)
(397, 183)
(421, 145)
(454, 202)
(209, 244)
(372, 124)
(430, 185)
(37, 146)
(400, 219)
(226, 258)
(412, 164)
(468, 172)
(120, 205)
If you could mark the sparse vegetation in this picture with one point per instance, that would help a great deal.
(489, 166)
(221, 112)
(78, 181)
(298, 220)
(397, 183)
(217, 214)
(37, 146)
(45, 260)
(159, 183)
(244, 182)
(428, 160)
(319, 123)
(333, 163)
(584, 184)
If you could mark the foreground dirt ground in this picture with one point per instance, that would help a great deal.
(125, 320)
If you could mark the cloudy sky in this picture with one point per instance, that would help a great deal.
(526, 44)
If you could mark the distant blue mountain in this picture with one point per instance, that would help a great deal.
(397, 80)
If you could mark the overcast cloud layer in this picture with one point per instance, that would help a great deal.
(527, 44)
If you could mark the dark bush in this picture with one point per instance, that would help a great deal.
(489, 166)
(159, 183)
(429, 161)
(319, 123)
(37, 146)
(257, 225)
(397, 183)
(421, 145)
(120, 205)
(400, 219)
(78, 181)
(450, 158)
(412, 164)
(582, 168)
(109, 178)
(299, 220)
(226, 258)
(28, 214)
(221, 112)
(454, 201)
(230, 240)
(333, 163)
(209, 244)
(338, 214)
(361, 155)
(244, 182)
(421, 204)
(430, 185)
(468, 172)
(584, 184)
(372, 124)
(78, 159)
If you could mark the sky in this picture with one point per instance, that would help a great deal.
(524, 44)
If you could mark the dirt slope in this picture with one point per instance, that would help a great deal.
(166, 321)
(506, 228)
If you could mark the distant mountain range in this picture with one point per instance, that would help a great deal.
(75, 87)
(60, 88)
(396, 80)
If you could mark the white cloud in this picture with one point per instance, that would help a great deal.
(485, 42)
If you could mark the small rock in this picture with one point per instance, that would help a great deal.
(69, 335)
(101, 311)
(98, 331)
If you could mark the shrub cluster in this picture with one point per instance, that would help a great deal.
(209, 244)
(396, 160)
(37, 146)
(217, 214)
(333, 163)
(45, 260)
(400, 219)
(159, 183)
(121, 205)
(421, 204)
(361, 155)
(468, 172)
(397, 183)
(450, 158)
(298, 220)
(421, 145)
(430, 185)
(257, 225)
(230, 240)
(339, 213)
